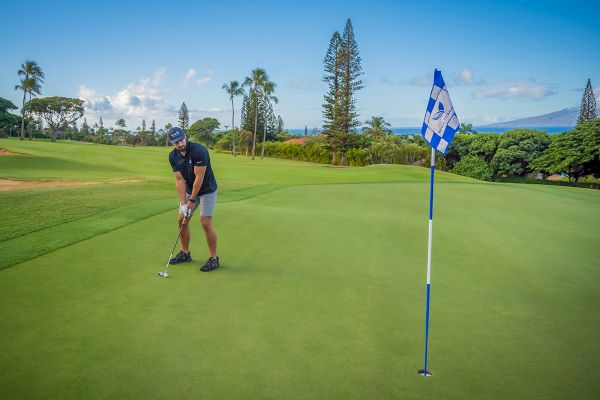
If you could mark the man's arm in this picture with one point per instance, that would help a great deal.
(180, 186)
(198, 179)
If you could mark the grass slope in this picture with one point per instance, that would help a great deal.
(38, 221)
(320, 295)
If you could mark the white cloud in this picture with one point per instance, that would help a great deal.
(93, 101)
(188, 76)
(158, 76)
(421, 80)
(136, 101)
(521, 90)
(489, 119)
(597, 92)
(204, 79)
(213, 110)
(466, 77)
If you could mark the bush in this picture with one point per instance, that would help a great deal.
(357, 157)
(516, 151)
(392, 149)
(589, 184)
(474, 167)
(312, 152)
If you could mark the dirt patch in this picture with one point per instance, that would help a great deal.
(125, 180)
(4, 152)
(11, 184)
(555, 178)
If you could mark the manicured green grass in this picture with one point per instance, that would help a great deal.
(320, 294)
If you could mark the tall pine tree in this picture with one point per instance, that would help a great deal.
(101, 130)
(244, 114)
(85, 128)
(249, 110)
(332, 78)
(342, 72)
(351, 71)
(588, 104)
(184, 117)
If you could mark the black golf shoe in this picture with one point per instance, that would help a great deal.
(181, 257)
(211, 264)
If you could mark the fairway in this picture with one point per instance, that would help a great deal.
(321, 290)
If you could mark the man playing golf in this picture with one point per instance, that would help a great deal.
(196, 186)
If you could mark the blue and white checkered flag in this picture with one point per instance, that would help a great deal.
(440, 123)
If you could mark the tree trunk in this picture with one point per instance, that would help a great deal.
(53, 135)
(23, 117)
(262, 150)
(255, 126)
(333, 157)
(233, 126)
(30, 115)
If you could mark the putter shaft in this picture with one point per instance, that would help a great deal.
(175, 245)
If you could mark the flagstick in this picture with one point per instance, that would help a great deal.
(425, 371)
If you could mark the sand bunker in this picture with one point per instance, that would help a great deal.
(4, 152)
(10, 184)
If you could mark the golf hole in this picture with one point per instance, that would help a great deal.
(422, 372)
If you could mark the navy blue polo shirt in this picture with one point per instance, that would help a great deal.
(195, 155)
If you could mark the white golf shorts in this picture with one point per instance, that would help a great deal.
(206, 202)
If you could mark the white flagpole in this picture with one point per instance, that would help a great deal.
(425, 371)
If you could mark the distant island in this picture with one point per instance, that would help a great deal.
(554, 122)
(563, 118)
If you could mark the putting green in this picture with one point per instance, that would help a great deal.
(320, 295)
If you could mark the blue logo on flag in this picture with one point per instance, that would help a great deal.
(440, 123)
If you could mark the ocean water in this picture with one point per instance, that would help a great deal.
(417, 130)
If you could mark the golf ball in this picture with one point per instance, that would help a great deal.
(165, 275)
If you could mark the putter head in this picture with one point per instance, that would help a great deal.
(163, 274)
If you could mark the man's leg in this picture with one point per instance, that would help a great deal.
(210, 233)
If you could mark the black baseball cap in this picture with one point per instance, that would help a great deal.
(176, 134)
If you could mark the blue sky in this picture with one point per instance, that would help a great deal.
(141, 59)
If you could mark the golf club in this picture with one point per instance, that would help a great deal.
(164, 274)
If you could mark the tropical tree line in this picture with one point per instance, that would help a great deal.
(256, 115)
(527, 153)
(376, 144)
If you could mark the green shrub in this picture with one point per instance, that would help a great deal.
(474, 167)
(357, 157)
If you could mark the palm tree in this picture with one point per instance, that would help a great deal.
(254, 82)
(121, 123)
(267, 88)
(376, 127)
(467, 129)
(31, 86)
(29, 70)
(233, 90)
